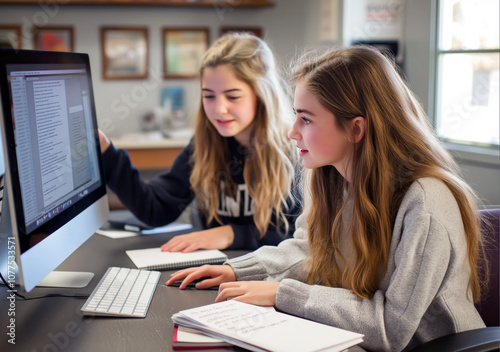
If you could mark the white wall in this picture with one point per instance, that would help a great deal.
(374, 20)
(289, 25)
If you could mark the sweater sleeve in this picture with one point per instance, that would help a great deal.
(274, 263)
(157, 202)
(391, 317)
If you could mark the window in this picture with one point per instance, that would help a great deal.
(467, 84)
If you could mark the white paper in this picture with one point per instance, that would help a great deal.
(258, 328)
(189, 335)
(115, 234)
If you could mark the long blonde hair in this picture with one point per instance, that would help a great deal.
(399, 147)
(271, 158)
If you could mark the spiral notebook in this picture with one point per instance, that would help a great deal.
(155, 259)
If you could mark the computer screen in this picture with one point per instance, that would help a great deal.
(54, 190)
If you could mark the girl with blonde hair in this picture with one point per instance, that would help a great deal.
(389, 241)
(239, 166)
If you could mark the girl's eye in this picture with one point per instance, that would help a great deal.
(208, 97)
(233, 98)
(306, 120)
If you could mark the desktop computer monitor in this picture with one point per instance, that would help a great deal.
(54, 195)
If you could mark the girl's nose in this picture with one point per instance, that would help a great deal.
(293, 133)
(221, 106)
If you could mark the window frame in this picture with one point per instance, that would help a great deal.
(472, 147)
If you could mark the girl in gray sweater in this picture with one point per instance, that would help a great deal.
(389, 241)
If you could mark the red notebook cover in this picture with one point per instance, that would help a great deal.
(198, 342)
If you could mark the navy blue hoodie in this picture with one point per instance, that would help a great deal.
(162, 199)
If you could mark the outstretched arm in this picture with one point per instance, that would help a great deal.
(156, 202)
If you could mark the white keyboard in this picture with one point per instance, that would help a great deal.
(122, 292)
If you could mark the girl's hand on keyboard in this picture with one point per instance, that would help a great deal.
(210, 275)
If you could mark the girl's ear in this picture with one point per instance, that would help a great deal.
(358, 128)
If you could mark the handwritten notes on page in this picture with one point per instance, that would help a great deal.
(263, 329)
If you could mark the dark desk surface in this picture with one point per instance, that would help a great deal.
(56, 323)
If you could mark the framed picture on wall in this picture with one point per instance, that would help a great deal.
(253, 30)
(10, 37)
(183, 50)
(124, 52)
(54, 38)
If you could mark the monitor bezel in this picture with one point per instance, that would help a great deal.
(93, 208)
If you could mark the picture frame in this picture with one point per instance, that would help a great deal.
(257, 31)
(125, 52)
(183, 50)
(54, 38)
(10, 36)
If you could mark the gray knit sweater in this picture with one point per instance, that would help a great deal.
(422, 296)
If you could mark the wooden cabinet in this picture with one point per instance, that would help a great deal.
(154, 154)
(178, 3)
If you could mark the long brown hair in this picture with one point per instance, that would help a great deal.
(399, 147)
(271, 158)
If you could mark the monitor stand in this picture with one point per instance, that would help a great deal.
(67, 279)
(60, 279)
